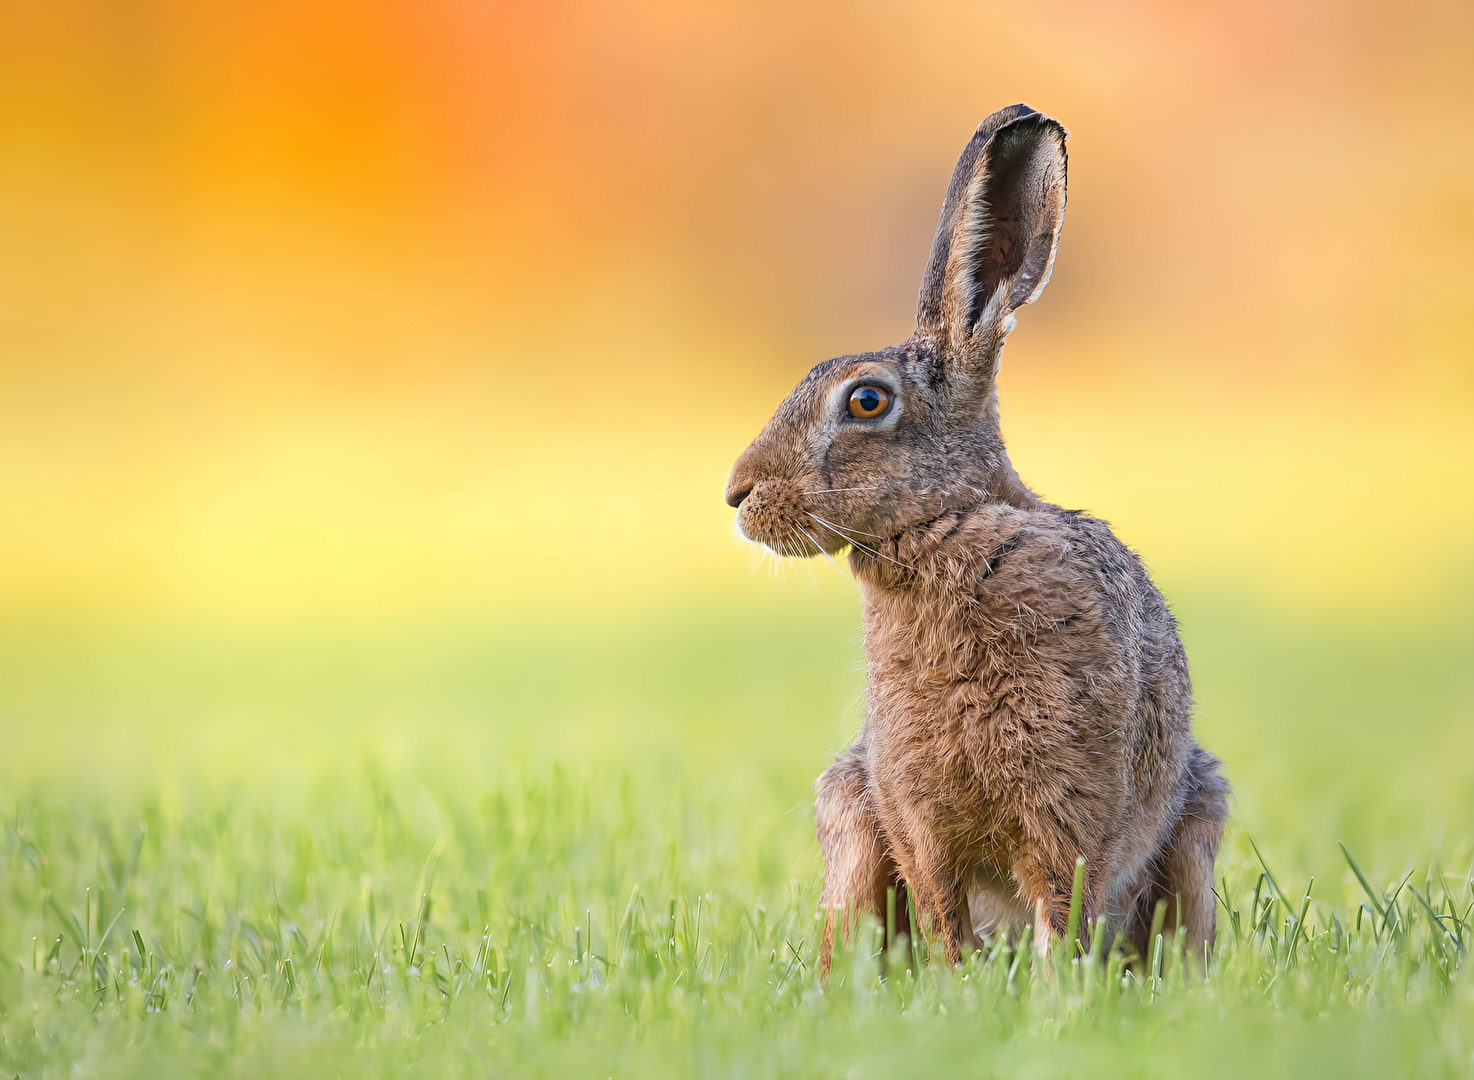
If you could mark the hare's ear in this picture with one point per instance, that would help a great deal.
(996, 237)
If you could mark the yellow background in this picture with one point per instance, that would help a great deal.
(380, 308)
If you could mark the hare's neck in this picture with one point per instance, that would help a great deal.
(1006, 487)
(913, 631)
(923, 555)
(915, 560)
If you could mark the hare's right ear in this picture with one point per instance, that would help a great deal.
(996, 238)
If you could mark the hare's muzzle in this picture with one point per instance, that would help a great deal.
(767, 490)
(771, 513)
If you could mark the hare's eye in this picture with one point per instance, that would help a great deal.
(868, 402)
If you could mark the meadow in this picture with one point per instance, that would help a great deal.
(541, 848)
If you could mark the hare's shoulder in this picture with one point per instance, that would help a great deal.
(1061, 558)
(1116, 569)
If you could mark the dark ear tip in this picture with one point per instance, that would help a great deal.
(1015, 119)
(1021, 115)
(1009, 114)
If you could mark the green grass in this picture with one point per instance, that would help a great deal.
(585, 850)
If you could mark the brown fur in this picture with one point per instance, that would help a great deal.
(1028, 699)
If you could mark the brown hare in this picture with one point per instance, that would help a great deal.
(1028, 701)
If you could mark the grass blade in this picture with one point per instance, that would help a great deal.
(1365, 884)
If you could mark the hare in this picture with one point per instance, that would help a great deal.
(1028, 701)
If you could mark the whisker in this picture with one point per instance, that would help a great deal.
(829, 491)
(862, 532)
(851, 540)
(826, 554)
(832, 527)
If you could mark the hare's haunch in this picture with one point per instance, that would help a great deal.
(1028, 701)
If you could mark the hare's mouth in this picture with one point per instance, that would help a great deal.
(773, 515)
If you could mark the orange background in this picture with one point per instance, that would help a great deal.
(380, 308)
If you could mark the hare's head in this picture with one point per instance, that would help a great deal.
(869, 445)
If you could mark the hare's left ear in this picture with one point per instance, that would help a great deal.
(996, 238)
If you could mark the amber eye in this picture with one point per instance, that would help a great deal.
(868, 402)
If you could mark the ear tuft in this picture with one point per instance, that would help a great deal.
(998, 231)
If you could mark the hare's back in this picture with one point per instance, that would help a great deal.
(1138, 612)
(1064, 578)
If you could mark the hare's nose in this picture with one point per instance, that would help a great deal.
(744, 476)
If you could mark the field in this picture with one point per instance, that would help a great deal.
(517, 849)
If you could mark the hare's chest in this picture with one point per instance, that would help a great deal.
(958, 700)
(935, 653)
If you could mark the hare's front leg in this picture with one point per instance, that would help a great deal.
(941, 896)
(932, 872)
(858, 866)
(1044, 870)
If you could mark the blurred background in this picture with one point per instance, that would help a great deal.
(370, 373)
